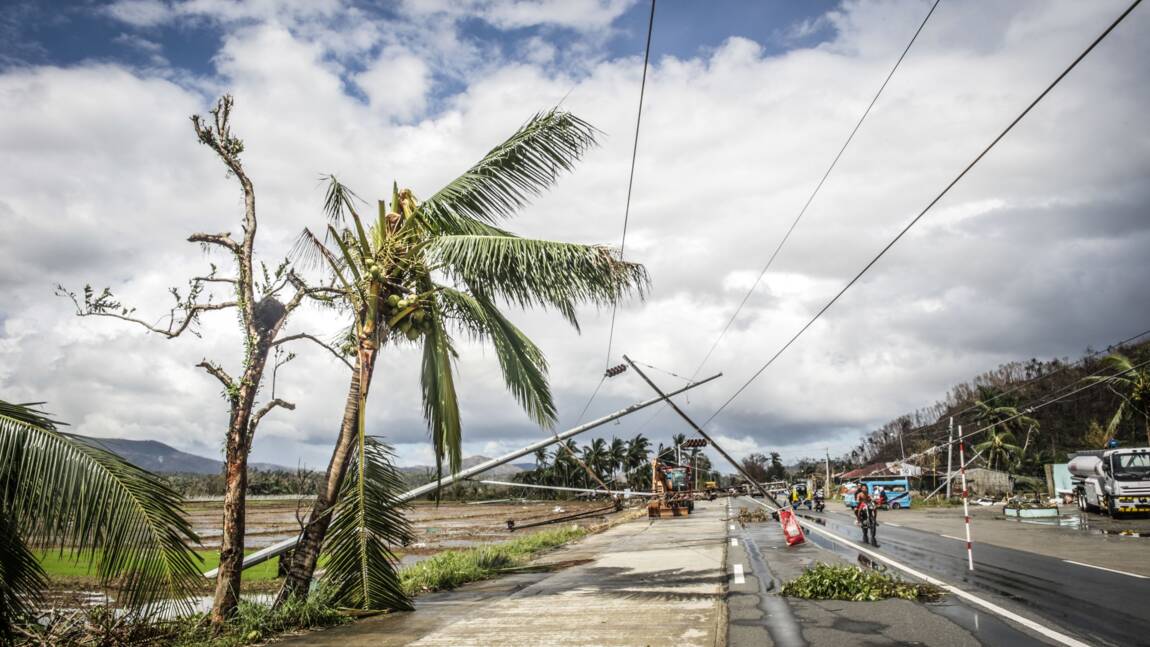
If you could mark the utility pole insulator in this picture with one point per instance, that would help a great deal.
(615, 370)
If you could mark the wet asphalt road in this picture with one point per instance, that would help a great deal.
(1095, 605)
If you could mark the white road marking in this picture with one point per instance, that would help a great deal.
(1058, 637)
(739, 579)
(891, 523)
(734, 542)
(731, 526)
(1103, 568)
(952, 537)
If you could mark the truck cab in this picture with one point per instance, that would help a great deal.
(1114, 481)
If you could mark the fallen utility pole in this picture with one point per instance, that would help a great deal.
(700, 431)
(274, 550)
(565, 489)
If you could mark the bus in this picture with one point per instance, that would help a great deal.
(896, 489)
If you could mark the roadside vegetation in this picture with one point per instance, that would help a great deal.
(453, 568)
(843, 582)
(256, 622)
(252, 623)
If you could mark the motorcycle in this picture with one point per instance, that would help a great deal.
(868, 519)
(820, 505)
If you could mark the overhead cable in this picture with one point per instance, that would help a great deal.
(811, 198)
(926, 209)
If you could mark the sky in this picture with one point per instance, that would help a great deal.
(1038, 252)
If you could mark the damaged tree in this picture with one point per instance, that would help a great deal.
(262, 316)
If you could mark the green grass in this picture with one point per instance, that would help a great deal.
(70, 564)
(826, 582)
(252, 623)
(256, 622)
(453, 568)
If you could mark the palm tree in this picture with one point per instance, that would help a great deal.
(69, 494)
(597, 456)
(389, 270)
(638, 448)
(1000, 441)
(618, 453)
(999, 445)
(1132, 386)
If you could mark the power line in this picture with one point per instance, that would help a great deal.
(631, 178)
(814, 193)
(928, 207)
(1029, 409)
(1025, 383)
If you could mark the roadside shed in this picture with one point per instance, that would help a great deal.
(981, 481)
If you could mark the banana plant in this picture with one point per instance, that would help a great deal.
(421, 272)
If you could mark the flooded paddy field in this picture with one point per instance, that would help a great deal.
(436, 528)
(448, 526)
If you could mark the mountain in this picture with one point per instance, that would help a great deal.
(155, 456)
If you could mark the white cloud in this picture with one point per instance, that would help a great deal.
(583, 15)
(396, 84)
(1032, 254)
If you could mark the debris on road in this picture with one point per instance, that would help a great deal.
(842, 582)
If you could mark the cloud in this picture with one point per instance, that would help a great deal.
(583, 15)
(1038, 252)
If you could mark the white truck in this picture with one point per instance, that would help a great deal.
(1113, 481)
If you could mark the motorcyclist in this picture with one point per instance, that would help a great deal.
(880, 497)
(819, 499)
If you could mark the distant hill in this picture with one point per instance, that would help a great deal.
(155, 456)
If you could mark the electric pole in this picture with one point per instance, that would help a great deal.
(949, 453)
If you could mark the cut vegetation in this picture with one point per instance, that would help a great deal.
(827, 582)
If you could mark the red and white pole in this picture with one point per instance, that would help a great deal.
(965, 505)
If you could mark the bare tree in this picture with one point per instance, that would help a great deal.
(262, 315)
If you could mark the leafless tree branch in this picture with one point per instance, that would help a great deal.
(267, 408)
(326, 346)
(224, 240)
(217, 371)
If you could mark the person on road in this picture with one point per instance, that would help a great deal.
(880, 497)
(862, 497)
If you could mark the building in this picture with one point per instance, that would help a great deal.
(981, 481)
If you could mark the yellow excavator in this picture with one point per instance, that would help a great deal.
(674, 496)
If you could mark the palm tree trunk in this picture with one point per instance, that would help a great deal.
(230, 572)
(302, 561)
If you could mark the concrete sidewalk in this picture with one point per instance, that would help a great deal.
(640, 583)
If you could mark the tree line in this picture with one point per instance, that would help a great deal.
(617, 463)
(1016, 438)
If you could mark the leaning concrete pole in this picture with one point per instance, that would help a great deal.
(699, 430)
(274, 550)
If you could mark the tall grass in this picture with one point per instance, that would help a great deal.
(453, 568)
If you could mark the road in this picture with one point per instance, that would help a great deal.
(1092, 604)
(639, 583)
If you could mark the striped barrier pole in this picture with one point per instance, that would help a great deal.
(965, 505)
